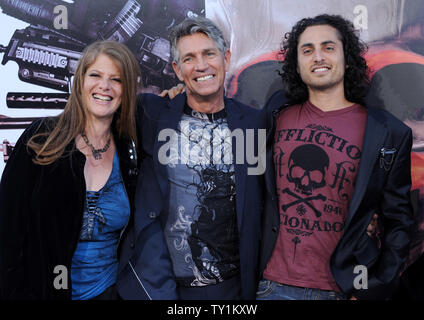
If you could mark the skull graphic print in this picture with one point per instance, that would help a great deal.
(316, 158)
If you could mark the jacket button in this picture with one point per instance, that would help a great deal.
(274, 229)
(152, 215)
(132, 245)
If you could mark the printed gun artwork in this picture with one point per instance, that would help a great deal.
(47, 52)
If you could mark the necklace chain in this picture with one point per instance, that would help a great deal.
(97, 153)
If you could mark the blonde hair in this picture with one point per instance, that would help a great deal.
(72, 120)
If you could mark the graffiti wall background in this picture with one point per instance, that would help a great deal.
(41, 41)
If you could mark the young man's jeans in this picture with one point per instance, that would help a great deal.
(270, 290)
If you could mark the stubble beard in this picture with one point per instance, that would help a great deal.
(320, 87)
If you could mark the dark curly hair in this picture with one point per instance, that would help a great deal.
(356, 78)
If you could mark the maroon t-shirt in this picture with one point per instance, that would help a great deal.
(316, 156)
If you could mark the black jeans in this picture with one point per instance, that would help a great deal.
(109, 294)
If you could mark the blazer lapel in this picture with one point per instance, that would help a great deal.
(375, 133)
(270, 174)
(169, 119)
(235, 121)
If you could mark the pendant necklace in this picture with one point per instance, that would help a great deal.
(97, 153)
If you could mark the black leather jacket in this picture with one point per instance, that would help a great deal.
(41, 209)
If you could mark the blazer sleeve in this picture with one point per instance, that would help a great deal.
(152, 265)
(15, 193)
(397, 221)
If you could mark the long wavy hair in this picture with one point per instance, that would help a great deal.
(356, 78)
(63, 129)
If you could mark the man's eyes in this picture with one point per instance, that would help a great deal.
(308, 51)
(208, 54)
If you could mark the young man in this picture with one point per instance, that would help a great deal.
(197, 222)
(331, 163)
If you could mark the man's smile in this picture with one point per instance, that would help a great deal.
(204, 78)
(320, 69)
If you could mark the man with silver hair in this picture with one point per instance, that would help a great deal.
(196, 25)
(197, 221)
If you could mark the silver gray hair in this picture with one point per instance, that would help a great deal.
(196, 25)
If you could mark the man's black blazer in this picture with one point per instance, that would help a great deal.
(145, 270)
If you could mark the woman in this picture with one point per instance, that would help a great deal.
(67, 190)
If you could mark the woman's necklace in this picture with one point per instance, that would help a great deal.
(97, 153)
